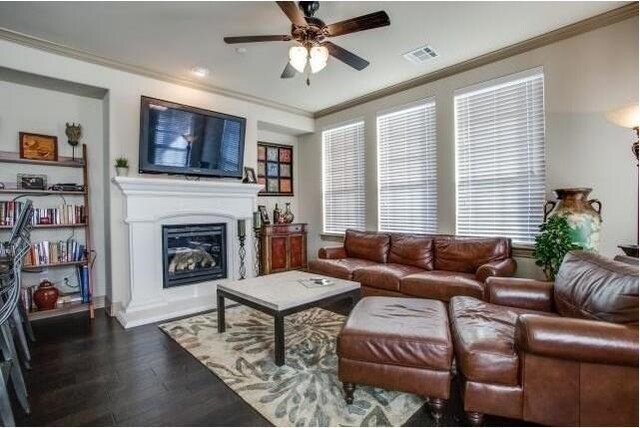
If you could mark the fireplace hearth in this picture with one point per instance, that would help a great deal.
(193, 253)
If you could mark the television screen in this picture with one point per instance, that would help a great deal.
(178, 139)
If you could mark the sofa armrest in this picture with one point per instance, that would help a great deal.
(332, 253)
(520, 293)
(577, 339)
(504, 267)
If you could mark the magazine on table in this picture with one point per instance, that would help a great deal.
(316, 282)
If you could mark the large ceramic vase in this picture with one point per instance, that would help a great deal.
(582, 214)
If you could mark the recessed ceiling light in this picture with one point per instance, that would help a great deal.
(241, 50)
(200, 71)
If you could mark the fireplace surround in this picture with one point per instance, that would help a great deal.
(152, 203)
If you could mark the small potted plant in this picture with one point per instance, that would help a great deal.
(122, 166)
(553, 243)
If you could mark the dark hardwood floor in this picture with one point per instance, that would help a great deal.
(97, 373)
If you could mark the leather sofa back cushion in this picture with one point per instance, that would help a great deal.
(591, 286)
(412, 250)
(467, 254)
(367, 245)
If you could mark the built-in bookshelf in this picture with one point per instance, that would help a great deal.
(55, 217)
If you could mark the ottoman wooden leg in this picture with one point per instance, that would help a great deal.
(349, 389)
(437, 408)
(475, 418)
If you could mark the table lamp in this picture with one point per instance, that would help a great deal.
(628, 117)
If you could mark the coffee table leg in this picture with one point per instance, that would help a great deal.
(221, 321)
(279, 339)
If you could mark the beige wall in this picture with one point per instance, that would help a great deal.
(585, 76)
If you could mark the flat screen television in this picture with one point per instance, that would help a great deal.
(178, 139)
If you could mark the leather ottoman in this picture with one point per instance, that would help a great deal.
(400, 344)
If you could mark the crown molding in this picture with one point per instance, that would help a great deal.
(602, 20)
(59, 49)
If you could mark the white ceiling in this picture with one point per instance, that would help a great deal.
(173, 37)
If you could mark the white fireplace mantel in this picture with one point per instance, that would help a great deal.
(151, 203)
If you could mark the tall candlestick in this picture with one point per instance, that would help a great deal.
(242, 227)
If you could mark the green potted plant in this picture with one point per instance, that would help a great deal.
(122, 166)
(552, 244)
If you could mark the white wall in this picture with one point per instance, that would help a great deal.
(585, 77)
(31, 109)
(123, 115)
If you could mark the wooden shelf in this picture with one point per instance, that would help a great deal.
(53, 265)
(49, 226)
(64, 309)
(63, 161)
(40, 192)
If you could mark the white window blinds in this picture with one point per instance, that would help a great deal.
(343, 178)
(407, 191)
(500, 157)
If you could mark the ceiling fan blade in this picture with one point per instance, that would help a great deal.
(288, 71)
(345, 56)
(290, 8)
(361, 23)
(252, 39)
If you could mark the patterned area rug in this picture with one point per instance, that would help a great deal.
(306, 390)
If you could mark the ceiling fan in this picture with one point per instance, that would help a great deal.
(311, 33)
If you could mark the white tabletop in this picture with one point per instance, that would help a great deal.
(281, 291)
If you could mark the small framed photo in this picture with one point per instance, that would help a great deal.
(264, 215)
(32, 182)
(249, 175)
(38, 146)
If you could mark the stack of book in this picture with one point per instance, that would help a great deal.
(46, 252)
(63, 214)
(9, 211)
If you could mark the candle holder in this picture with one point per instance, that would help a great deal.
(256, 248)
(242, 252)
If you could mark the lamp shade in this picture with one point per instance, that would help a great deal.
(318, 57)
(626, 117)
(298, 58)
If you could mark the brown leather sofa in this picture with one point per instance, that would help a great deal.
(554, 354)
(426, 266)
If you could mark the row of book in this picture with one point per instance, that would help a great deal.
(84, 295)
(63, 214)
(47, 252)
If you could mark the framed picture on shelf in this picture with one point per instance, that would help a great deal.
(32, 182)
(275, 169)
(264, 215)
(38, 146)
(249, 175)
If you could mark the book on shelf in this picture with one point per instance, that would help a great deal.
(61, 215)
(48, 252)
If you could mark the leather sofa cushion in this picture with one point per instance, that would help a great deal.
(384, 276)
(593, 287)
(459, 254)
(398, 331)
(338, 268)
(367, 245)
(441, 285)
(412, 250)
(484, 340)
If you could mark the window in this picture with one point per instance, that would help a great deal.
(407, 193)
(500, 157)
(343, 178)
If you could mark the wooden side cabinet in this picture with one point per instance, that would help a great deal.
(283, 247)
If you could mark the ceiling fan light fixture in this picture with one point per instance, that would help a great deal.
(298, 58)
(318, 57)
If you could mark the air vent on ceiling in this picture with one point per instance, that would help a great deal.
(421, 54)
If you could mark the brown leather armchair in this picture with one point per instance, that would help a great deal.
(555, 354)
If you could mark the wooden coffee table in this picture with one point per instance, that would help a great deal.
(282, 294)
